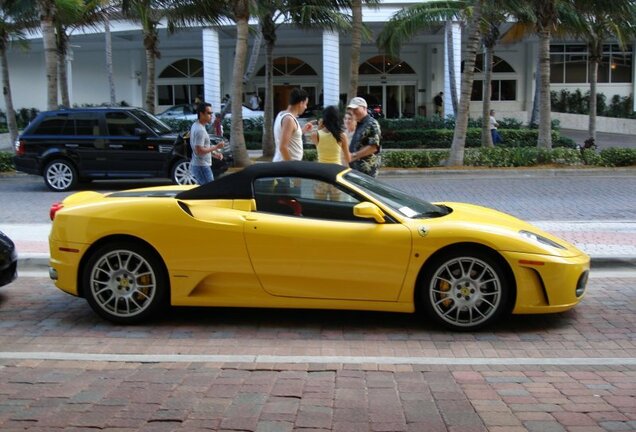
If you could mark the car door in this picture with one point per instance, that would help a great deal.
(131, 151)
(305, 242)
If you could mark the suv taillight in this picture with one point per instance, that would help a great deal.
(55, 207)
(19, 147)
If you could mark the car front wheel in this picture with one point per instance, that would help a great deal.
(465, 290)
(124, 282)
(181, 173)
(60, 175)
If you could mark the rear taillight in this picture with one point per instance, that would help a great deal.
(55, 207)
(19, 147)
(377, 109)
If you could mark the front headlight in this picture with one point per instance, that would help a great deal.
(540, 239)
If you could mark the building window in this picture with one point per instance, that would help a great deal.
(289, 66)
(570, 63)
(504, 86)
(181, 82)
(385, 65)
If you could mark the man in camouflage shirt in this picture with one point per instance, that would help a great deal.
(365, 143)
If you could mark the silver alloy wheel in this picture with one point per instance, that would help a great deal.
(122, 283)
(182, 175)
(60, 175)
(465, 291)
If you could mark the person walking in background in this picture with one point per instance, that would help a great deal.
(496, 138)
(288, 135)
(202, 150)
(218, 125)
(438, 100)
(330, 140)
(365, 144)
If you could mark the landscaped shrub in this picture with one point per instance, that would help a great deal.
(6, 161)
(617, 157)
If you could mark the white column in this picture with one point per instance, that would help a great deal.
(211, 68)
(456, 40)
(330, 68)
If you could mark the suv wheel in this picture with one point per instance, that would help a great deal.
(60, 175)
(181, 173)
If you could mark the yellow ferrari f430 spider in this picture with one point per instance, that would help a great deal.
(306, 235)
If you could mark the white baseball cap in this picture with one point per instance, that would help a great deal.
(357, 102)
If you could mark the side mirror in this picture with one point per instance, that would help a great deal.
(368, 210)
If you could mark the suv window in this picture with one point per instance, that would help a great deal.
(120, 124)
(51, 126)
(76, 124)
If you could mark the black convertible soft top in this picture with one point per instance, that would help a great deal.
(239, 184)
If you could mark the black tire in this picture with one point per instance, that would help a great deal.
(125, 282)
(60, 175)
(181, 173)
(465, 290)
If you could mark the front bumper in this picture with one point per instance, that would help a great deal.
(547, 284)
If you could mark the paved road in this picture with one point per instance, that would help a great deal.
(530, 194)
(574, 371)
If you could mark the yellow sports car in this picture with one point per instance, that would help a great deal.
(306, 235)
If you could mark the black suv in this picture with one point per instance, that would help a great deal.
(68, 146)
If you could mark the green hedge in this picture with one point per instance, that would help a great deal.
(443, 138)
(6, 161)
(512, 157)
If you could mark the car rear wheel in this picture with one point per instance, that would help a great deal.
(60, 175)
(124, 282)
(181, 174)
(465, 290)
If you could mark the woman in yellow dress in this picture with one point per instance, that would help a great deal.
(332, 145)
(330, 140)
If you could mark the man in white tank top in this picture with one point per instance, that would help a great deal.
(288, 135)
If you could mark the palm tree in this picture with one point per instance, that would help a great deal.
(73, 14)
(148, 13)
(597, 22)
(15, 17)
(108, 42)
(358, 31)
(409, 21)
(47, 10)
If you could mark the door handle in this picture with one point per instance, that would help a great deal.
(250, 218)
(116, 146)
(71, 145)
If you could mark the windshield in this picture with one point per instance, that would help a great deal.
(156, 125)
(402, 203)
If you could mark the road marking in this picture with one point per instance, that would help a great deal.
(260, 358)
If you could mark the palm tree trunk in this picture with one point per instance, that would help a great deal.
(534, 116)
(50, 54)
(593, 107)
(545, 115)
(237, 138)
(62, 67)
(109, 61)
(486, 137)
(149, 104)
(6, 91)
(461, 125)
(356, 43)
(268, 120)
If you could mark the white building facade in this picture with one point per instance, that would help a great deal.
(199, 60)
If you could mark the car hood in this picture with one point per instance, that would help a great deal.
(500, 231)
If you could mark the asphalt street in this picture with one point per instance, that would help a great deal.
(531, 194)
